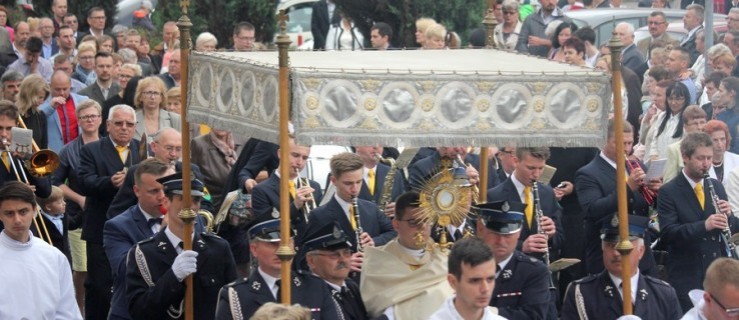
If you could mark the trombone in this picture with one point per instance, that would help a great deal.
(42, 162)
(18, 173)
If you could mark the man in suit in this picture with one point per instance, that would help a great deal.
(59, 108)
(521, 282)
(692, 21)
(373, 173)
(102, 170)
(172, 77)
(96, 21)
(533, 39)
(447, 157)
(630, 55)
(518, 188)
(49, 45)
(104, 86)
(263, 157)
(321, 18)
(266, 195)
(240, 299)
(328, 251)
(167, 147)
(156, 268)
(506, 160)
(601, 296)
(691, 224)
(346, 175)
(657, 24)
(595, 185)
(137, 223)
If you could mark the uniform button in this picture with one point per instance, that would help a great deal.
(713, 238)
(714, 254)
(704, 239)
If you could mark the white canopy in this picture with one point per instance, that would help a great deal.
(403, 98)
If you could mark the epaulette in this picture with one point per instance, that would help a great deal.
(210, 235)
(656, 281)
(237, 282)
(589, 278)
(150, 239)
(526, 258)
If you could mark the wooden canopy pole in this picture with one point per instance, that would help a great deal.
(285, 251)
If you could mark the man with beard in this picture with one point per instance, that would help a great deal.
(532, 39)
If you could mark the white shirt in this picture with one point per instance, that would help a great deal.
(174, 240)
(502, 264)
(634, 281)
(519, 187)
(36, 281)
(270, 281)
(449, 312)
(664, 139)
(696, 313)
(344, 205)
(452, 228)
(692, 183)
(155, 227)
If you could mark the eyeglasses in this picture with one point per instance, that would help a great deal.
(246, 38)
(510, 153)
(655, 23)
(151, 93)
(98, 18)
(675, 98)
(509, 12)
(89, 117)
(414, 223)
(732, 19)
(86, 58)
(346, 253)
(732, 312)
(171, 149)
(124, 123)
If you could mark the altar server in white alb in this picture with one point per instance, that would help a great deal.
(35, 278)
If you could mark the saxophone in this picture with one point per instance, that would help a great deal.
(358, 231)
(726, 233)
(387, 186)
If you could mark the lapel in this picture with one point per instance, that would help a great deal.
(199, 246)
(259, 289)
(274, 182)
(382, 171)
(607, 172)
(641, 303)
(334, 207)
(109, 151)
(610, 293)
(689, 194)
(166, 252)
(140, 222)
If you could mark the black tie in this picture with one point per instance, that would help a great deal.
(278, 283)
(154, 221)
(457, 235)
(497, 268)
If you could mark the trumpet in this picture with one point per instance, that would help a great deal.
(354, 210)
(648, 194)
(310, 205)
(725, 233)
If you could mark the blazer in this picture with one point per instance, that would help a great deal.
(381, 170)
(522, 288)
(266, 196)
(320, 22)
(643, 44)
(152, 289)
(53, 125)
(264, 157)
(59, 240)
(507, 191)
(94, 92)
(655, 299)
(631, 57)
(689, 44)
(239, 300)
(214, 167)
(690, 247)
(166, 120)
(99, 161)
(595, 185)
(120, 234)
(125, 197)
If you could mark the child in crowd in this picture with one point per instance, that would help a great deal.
(52, 213)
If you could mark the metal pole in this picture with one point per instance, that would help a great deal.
(186, 214)
(285, 252)
(624, 246)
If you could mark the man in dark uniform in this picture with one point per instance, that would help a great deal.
(518, 187)
(595, 185)
(522, 282)
(157, 267)
(328, 251)
(446, 157)
(346, 175)
(266, 195)
(240, 299)
(691, 224)
(600, 296)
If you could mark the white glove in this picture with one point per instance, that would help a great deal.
(185, 264)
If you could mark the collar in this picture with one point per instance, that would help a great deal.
(147, 216)
(343, 204)
(173, 239)
(16, 245)
(268, 280)
(335, 287)
(116, 144)
(690, 181)
(519, 186)
(365, 172)
(452, 228)
(505, 261)
(555, 14)
(607, 159)
(52, 217)
(634, 282)
(417, 253)
(101, 85)
(295, 181)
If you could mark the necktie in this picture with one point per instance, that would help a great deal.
(292, 188)
(457, 235)
(6, 161)
(122, 152)
(278, 285)
(154, 221)
(700, 195)
(497, 268)
(371, 181)
(529, 205)
(352, 220)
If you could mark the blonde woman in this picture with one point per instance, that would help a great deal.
(206, 42)
(151, 102)
(85, 61)
(34, 91)
(435, 37)
(422, 25)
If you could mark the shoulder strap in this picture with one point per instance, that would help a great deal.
(580, 303)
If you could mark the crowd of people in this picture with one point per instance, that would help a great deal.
(108, 104)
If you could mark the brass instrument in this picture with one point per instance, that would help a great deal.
(475, 189)
(726, 233)
(387, 186)
(539, 214)
(310, 205)
(42, 162)
(208, 220)
(354, 210)
(37, 217)
(648, 194)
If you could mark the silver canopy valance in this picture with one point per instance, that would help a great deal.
(403, 98)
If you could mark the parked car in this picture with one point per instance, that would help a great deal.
(299, 22)
(603, 21)
(125, 9)
(677, 31)
(317, 168)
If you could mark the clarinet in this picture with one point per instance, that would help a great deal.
(725, 233)
(358, 231)
(539, 214)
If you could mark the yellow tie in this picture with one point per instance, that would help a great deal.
(352, 220)
(6, 160)
(371, 181)
(701, 196)
(292, 188)
(121, 152)
(529, 205)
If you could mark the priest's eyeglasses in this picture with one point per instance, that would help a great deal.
(732, 312)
